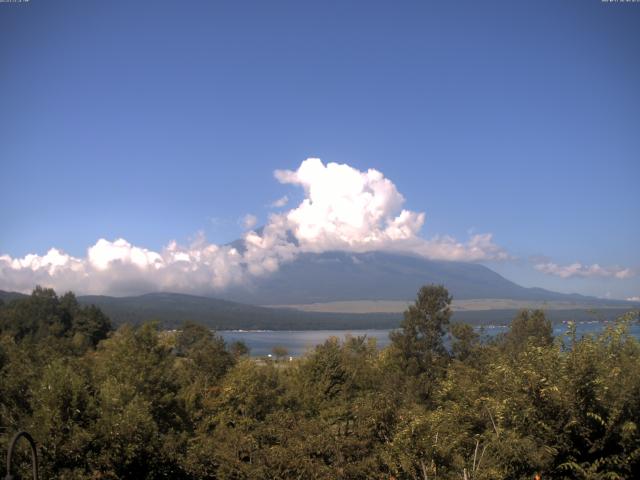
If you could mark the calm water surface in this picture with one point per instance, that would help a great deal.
(297, 342)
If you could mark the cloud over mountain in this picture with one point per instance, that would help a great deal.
(343, 209)
(579, 270)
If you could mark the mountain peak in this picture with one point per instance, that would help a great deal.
(378, 275)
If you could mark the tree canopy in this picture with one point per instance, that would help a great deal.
(439, 402)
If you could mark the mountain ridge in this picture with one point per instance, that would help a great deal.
(173, 309)
(343, 276)
(338, 276)
(322, 278)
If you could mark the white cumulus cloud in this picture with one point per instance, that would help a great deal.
(478, 248)
(343, 209)
(579, 270)
(249, 221)
(119, 267)
(348, 209)
(104, 254)
(281, 202)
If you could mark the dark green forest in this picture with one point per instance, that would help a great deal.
(138, 402)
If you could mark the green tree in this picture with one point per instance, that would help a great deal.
(280, 352)
(238, 349)
(202, 362)
(90, 324)
(418, 343)
(529, 326)
(139, 429)
(206, 350)
(466, 342)
(45, 316)
(36, 317)
(64, 412)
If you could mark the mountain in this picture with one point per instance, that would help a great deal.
(172, 309)
(8, 296)
(382, 276)
(347, 277)
(342, 276)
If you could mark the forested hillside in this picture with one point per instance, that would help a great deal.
(141, 403)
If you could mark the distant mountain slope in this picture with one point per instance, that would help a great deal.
(8, 296)
(342, 276)
(172, 309)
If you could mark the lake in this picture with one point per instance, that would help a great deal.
(297, 342)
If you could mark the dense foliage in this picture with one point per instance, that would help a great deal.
(142, 403)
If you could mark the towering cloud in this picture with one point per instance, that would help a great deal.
(342, 209)
(346, 209)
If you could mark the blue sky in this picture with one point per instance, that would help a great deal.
(154, 121)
